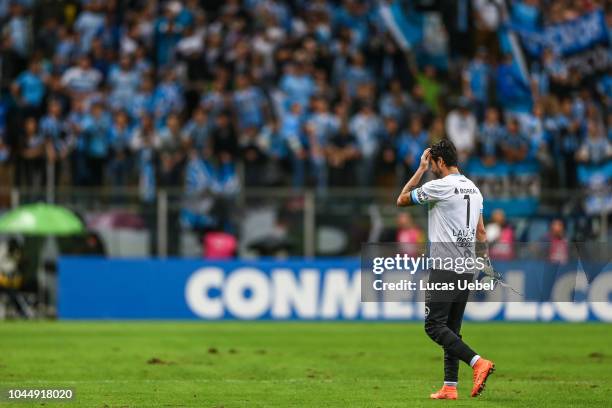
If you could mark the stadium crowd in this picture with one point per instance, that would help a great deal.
(178, 93)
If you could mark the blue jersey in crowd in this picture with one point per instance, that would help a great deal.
(31, 87)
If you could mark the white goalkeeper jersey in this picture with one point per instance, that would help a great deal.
(454, 208)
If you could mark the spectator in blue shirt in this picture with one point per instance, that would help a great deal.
(411, 144)
(200, 180)
(388, 163)
(142, 64)
(29, 88)
(316, 151)
(66, 48)
(533, 126)
(394, 103)
(596, 148)
(76, 123)
(52, 127)
(214, 99)
(168, 96)
(353, 16)
(565, 135)
(18, 30)
(168, 32)
(210, 190)
(120, 137)
(196, 132)
(276, 151)
(367, 127)
(341, 51)
(32, 155)
(291, 130)
(297, 85)
(515, 145)
(89, 24)
(170, 136)
(97, 136)
(323, 123)
(476, 78)
(490, 135)
(200, 173)
(143, 102)
(342, 155)
(249, 103)
(557, 74)
(145, 145)
(171, 152)
(99, 58)
(357, 74)
(124, 81)
(109, 35)
(227, 184)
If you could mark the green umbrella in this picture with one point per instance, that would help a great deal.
(41, 219)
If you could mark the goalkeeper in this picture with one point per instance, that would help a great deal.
(454, 224)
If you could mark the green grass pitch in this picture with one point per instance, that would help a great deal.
(285, 364)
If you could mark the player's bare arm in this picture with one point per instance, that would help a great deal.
(481, 239)
(482, 246)
(404, 199)
(481, 232)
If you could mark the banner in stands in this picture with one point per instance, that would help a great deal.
(582, 43)
(514, 188)
(93, 288)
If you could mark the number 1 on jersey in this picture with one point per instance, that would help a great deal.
(467, 218)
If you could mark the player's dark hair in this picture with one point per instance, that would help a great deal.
(446, 150)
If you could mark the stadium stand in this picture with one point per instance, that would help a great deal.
(214, 98)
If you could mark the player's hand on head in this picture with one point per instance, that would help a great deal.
(425, 159)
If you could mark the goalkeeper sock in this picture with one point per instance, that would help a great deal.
(474, 360)
(450, 383)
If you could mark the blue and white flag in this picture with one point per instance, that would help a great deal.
(510, 43)
(406, 28)
(581, 44)
(518, 57)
